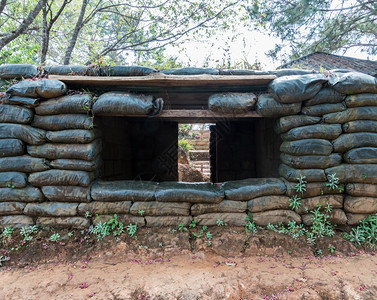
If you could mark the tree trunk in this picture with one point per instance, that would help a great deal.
(23, 26)
(2, 5)
(45, 36)
(76, 32)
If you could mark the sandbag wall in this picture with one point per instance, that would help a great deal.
(49, 154)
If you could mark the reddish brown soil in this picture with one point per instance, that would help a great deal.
(165, 265)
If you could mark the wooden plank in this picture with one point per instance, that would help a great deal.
(162, 80)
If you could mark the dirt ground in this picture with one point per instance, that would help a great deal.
(165, 265)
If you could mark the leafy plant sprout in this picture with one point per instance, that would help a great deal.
(333, 182)
(301, 185)
(55, 237)
(132, 229)
(88, 215)
(220, 222)
(141, 212)
(295, 202)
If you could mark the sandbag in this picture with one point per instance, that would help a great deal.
(275, 217)
(61, 177)
(25, 133)
(123, 190)
(104, 208)
(73, 136)
(246, 189)
(167, 221)
(309, 204)
(26, 194)
(290, 72)
(190, 71)
(313, 189)
(124, 104)
(11, 208)
(18, 71)
(54, 209)
(349, 141)
(361, 189)
(16, 179)
(225, 206)
(292, 174)
(353, 83)
(287, 123)
(335, 217)
(311, 161)
(323, 109)
(297, 88)
(365, 155)
(62, 122)
(45, 88)
(22, 101)
(232, 219)
(64, 222)
(67, 70)
(15, 114)
(268, 203)
(75, 104)
(189, 192)
(77, 164)
(11, 147)
(317, 131)
(363, 173)
(125, 219)
(352, 114)
(242, 72)
(67, 193)
(126, 71)
(16, 221)
(360, 205)
(355, 219)
(361, 100)
(360, 126)
(307, 147)
(325, 96)
(154, 208)
(86, 152)
(267, 106)
(23, 163)
(229, 103)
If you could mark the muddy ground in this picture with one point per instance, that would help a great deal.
(162, 264)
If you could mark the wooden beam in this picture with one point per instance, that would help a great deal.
(161, 80)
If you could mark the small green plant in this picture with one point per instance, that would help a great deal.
(220, 222)
(115, 226)
(250, 226)
(55, 237)
(328, 208)
(301, 185)
(333, 182)
(331, 248)
(193, 223)
(364, 233)
(295, 202)
(88, 215)
(209, 237)
(132, 229)
(141, 212)
(10, 185)
(182, 227)
(185, 145)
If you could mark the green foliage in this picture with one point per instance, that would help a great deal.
(132, 229)
(182, 227)
(301, 185)
(193, 223)
(185, 145)
(333, 182)
(55, 237)
(295, 202)
(365, 232)
(220, 222)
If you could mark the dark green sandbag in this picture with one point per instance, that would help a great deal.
(189, 192)
(73, 136)
(11, 208)
(153, 208)
(26, 194)
(13, 179)
(287, 123)
(353, 83)
(311, 161)
(361, 100)
(86, 152)
(62, 122)
(222, 207)
(309, 204)
(291, 174)
(56, 209)
(313, 189)
(77, 164)
(124, 104)
(297, 88)
(126, 71)
(13, 71)
(11, 147)
(75, 104)
(276, 217)
(104, 208)
(247, 189)
(123, 190)
(45, 88)
(67, 70)
(349, 141)
(364, 155)
(323, 109)
(360, 205)
(352, 114)
(290, 72)
(317, 131)
(22, 101)
(325, 95)
(266, 203)
(61, 177)
(307, 147)
(64, 222)
(355, 173)
(24, 163)
(228, 103)
(267, 106)
(191, 71)
(361, 189)
(67, 193)
(15, 114)
(25, 133)
(360, 126)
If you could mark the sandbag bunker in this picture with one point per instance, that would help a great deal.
(66, 161)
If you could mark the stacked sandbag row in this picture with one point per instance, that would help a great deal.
(49, 154)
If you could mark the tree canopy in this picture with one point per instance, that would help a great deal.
(84, 31)
(330, 26)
